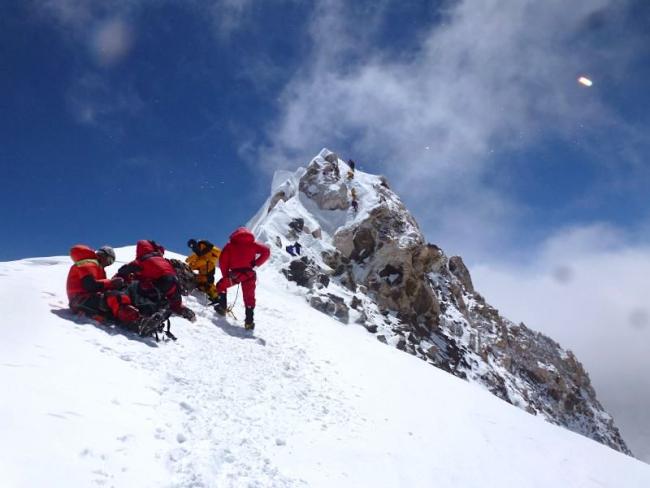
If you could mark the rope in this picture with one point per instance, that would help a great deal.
(229, 309)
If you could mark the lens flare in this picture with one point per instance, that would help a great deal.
(583, 80)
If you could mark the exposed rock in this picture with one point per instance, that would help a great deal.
(331, 158)
(305, 273)
(324, 188)
(364, 244)
(331, 305)
(278, 197)
(460, 271)
(372, 328)
(297, 225)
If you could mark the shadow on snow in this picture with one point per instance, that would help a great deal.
(108, 328)
(236, 331)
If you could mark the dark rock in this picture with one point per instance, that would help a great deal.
(364, 244)
(323, 279)
(305, 272)
(382, 338)
(297, 224)
(392, 274)
(331, 305)
(372, 328)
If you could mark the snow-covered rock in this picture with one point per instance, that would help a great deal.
(413, 296)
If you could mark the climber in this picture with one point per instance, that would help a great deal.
(355, 206)
(91, 293)
(156, 277)
(204, 260)
(351, 165)
(238, 261)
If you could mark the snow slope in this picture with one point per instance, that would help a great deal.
(85, 405)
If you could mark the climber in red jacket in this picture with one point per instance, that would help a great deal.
(90, 292)
(238, 261)
(156, 277)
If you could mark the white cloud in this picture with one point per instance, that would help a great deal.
(587, 287)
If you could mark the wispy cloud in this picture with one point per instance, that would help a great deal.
(93, 101)
(227, 16)
(84, 16)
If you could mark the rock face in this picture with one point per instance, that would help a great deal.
(460, 271)
(323, 185)
(373, 267)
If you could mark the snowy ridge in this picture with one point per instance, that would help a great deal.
(305, 403)
(373, 267)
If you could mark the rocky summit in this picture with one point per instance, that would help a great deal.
(364, 260)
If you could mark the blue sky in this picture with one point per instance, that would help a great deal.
(166, 119)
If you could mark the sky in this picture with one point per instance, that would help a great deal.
(165, 120)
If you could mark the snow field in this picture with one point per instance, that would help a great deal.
(307, 401)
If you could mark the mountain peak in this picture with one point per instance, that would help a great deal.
(364, 260)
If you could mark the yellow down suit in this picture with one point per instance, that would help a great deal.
(204, 260)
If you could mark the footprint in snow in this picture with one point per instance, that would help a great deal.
(186, 406)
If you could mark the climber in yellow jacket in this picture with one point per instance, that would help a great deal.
(203, 259)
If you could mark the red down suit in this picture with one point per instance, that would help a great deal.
(156, 276)
(237, 260)
(88, 288)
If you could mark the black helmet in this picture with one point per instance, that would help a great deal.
(191, 243)
(106, 254)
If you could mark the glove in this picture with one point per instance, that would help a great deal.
(118, 283)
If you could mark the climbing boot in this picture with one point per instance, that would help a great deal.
(249, 323)
(222, 304)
